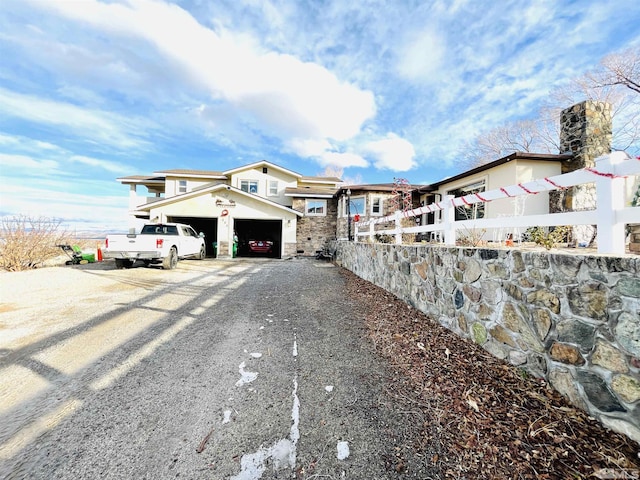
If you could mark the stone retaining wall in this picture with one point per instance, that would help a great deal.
(571, 319)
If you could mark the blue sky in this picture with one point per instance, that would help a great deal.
(94, 90)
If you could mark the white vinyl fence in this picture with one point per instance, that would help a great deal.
(610, 215)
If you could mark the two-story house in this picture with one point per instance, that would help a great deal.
(260, 201)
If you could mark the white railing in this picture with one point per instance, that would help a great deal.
(610, 214)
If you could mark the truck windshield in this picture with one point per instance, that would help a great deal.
(159, 230)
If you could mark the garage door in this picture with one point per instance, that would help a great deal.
(259, 238)
(208, 226)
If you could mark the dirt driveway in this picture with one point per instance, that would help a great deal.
(240, 369)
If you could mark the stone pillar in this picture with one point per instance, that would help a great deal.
(634, 240)
(634, 229)
(585, 132)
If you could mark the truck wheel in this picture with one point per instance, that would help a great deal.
(123, 263)
(202, 254)
(170, 261)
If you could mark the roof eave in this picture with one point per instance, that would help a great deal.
(549, 157)
(211, 189)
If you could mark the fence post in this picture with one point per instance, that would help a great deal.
(449, 220)
(398, 219)
(371, 231)
(610, 195)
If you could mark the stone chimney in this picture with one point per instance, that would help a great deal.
(585, 132)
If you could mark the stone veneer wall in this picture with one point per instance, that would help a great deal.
(314, 233)
(634, 240)
(585, 131)
(571, 319)
(387, 209)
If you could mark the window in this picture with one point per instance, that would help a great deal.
(189, 232)
(473, 211)
(182, 186)
(273, 188)
(376, 206)
(357, 206)
(315, 208)
(250, 186)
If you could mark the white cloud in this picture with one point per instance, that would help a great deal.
(342, 159)
(392, 153)
(40, 158)
(107, 165)
(24, 162)
(75, 210)
(285, 95)
(98, 126)
(306, 147)
(420, 59)
(319, 80)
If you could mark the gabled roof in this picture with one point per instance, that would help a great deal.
(262, 163)
(543, 157)
(210, 188)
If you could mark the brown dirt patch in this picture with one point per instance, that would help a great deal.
(479, 416)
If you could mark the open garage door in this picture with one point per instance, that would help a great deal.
(208, 226)
(259, 238)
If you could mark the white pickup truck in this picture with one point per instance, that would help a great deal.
(157, 243)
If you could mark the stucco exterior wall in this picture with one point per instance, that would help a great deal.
(211, 205)
(284, 180)
(510, 173)
(171, 184)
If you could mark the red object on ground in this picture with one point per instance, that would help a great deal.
(99, 254)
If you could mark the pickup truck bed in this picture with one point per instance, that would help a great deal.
(155, 244)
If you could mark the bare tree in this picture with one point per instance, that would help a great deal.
(332, 171)
(618, 69)
(615, 81)
(521, 136)
(27, 242)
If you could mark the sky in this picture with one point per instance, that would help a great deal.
(94, 90)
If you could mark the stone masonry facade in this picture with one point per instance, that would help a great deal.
(314, 233)
(585, 132)
(571, 319)
(387, 209)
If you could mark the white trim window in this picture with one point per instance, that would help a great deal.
(315, 208)
(182, 186)
(249, 186)
(376, 206)
(358, 206)
(473, 211)
(273, 188)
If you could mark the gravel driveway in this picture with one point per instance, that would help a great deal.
(239, 369)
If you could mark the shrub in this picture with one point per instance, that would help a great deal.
(548, 238)
(27, 242)
(471, 237)
(380, 238)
